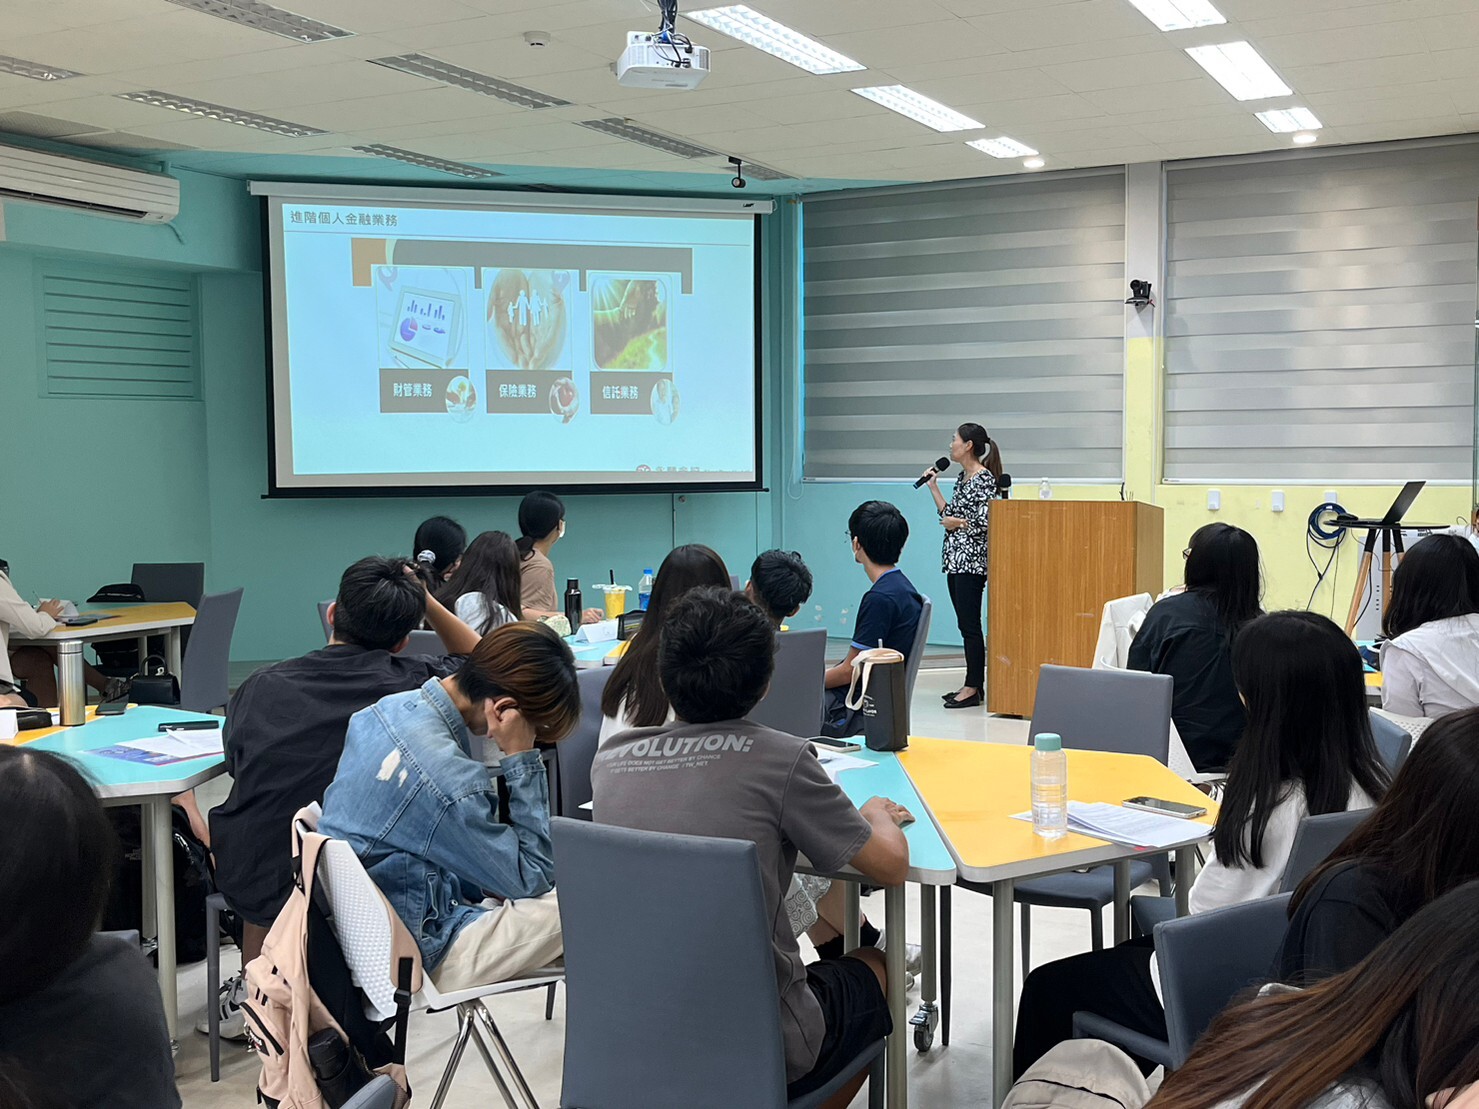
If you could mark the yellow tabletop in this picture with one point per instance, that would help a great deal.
(972, 790)
(42, 733)
(1373, 680)
(123, 620)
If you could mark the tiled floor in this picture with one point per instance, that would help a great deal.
(959, 1075)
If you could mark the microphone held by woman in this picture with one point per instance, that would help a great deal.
(940, 466)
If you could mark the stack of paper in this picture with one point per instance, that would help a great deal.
(1132, 827)
(835, 762)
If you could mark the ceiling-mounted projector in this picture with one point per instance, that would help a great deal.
(661, 60)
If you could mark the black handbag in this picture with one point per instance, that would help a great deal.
(121, 593)
(154, 684)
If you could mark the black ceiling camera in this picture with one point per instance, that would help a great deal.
(738, 180)
(1140, 294)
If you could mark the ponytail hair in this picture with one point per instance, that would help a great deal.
(983, 446)
(438, 545)
(540, 512)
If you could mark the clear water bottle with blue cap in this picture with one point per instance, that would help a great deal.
(1049, 786)
(644, 590)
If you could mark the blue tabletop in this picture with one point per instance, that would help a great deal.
(930, 861)
(590, 654)
(117, 778)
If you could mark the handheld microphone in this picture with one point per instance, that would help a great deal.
(941, 465)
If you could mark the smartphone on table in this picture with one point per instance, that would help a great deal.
(1163, 807)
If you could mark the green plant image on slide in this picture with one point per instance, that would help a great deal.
(629, 323)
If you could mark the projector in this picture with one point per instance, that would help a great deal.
(655, 61)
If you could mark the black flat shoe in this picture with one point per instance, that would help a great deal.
(971, 702)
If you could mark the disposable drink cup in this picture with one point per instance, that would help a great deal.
(616, 599)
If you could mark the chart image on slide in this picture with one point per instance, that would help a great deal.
(629, 322)
(528, 319)
(422, 316)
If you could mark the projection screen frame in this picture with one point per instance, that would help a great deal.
(499, 199)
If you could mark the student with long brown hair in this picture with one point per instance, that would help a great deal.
(1398, 1031)
(484, 591)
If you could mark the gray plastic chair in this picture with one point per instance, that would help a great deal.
(696, 969)
(735, 583)
(170, 581)
(379, 1094)
(921, 640)
(323, 618)
(205, 669)
(1315, 841)
(1393, 741)
(794, 702)
(423, 642)
(575, 753)
(1208, 959)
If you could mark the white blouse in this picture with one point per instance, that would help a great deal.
(472, 610)
(16, 615)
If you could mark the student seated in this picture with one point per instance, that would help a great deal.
(889, 612)
(422, 813)
(28, 674)
(1396, 1031)
(716, 658)
(484, 589)
(780, 584)
(1307, 750)
(1189, 635)
(1430, 660)
(284, 734)
(437, 550)
(541, 526)
(634, 697)
(1421, 841)
(81, 1020)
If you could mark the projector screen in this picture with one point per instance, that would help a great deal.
(445, 341)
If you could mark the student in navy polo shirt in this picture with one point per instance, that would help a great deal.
(889, 612)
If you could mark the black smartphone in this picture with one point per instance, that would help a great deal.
(1165, 808)
(113, 708)
(191, 726)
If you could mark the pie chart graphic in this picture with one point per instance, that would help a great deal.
(408, 329)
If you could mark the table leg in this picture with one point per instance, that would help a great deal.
(1003, 985)
(927, 1017)
(143, 645)
(148, 910)
(172, 651)
(852, 916)
(1121, 901)
(897, 1072)
(161, 847)
(71, 689)
(1184, 857)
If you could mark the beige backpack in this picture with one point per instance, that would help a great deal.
(1082, 1074)
(301, 985)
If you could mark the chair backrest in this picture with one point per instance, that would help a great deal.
(380, 1093)
(1208, 959)
(1125, 711)
(735, 583)
(575, 753)
(916, 653)
(1393, 741)
(423, 642)
(794, 702)
(1314, 841)
(205, 669)
(170, 581)
(323, 618)
(697, 967)
(361, 924)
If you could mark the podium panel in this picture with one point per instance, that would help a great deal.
(1054, 565)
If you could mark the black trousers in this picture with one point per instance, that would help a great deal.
(1114, 983)
(965, 595)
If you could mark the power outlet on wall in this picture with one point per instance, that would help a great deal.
(1214, 500)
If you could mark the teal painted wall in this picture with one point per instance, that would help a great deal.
(101, 484)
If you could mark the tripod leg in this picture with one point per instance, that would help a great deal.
(1386, 569)
(1362, 576)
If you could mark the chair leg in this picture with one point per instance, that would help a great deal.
(459, 1045)
(1096, 928)
(508, 1098)
(213, 986)
(485, 1018)
(549, 1002)
(876, 1084)
(1026, 940)
(945, 930)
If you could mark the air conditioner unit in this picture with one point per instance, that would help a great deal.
(96, 187)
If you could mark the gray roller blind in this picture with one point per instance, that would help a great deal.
(1320, 317)
(994, 302)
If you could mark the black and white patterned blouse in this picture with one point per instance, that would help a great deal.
(965, 548)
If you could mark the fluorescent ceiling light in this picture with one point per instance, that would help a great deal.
(1002, 148)
(755, 171)
(624, 129)
(1284, 121)
(1240, 69)
(422, 66)
(929, 112)
(220, 112)
(19, 67)
(425, 161)
(1179, 15)
(760, 31)
(264, 17)
(1034, 163)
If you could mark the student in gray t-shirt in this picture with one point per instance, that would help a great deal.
(715, 773)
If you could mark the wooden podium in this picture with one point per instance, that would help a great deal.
(1054, 565)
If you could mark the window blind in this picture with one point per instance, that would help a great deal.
(114, 332)
(1320, 317)
(998, 302)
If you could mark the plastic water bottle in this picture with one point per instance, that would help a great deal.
(1049, 786)
(1045, 490)
(644, 590)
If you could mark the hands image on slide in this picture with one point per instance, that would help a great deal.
(564, 399)
(528, 319)
(629, 322)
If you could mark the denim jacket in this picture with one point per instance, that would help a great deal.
(422, 815)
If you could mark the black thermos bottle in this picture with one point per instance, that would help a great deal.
(573, 607)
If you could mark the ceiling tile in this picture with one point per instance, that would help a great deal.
(915, 43)
(1092, 21)
(1345, 44)
(1116, 73)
